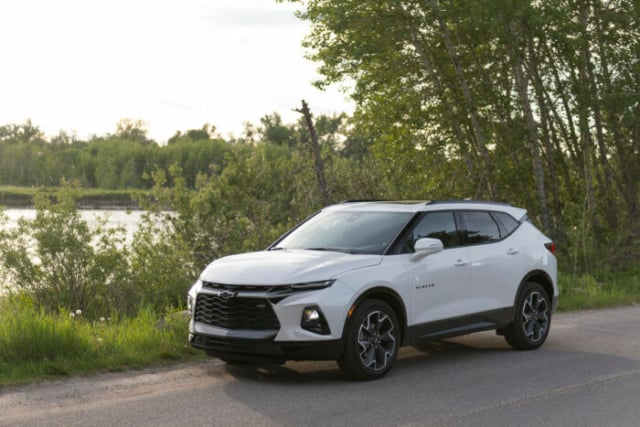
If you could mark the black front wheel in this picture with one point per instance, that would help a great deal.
(372, 340)
(532, 321)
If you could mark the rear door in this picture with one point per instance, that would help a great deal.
(497, 260)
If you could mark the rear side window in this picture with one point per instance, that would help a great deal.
(480, 227)
(506, 223)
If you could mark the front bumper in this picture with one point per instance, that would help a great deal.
(251, 349)
(265, 325)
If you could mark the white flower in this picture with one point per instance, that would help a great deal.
(72, 314)
(102, 319)
(78, 312)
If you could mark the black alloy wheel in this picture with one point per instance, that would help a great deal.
(532, 319)
(372, 341)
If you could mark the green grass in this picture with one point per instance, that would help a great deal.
(12, 196)
(36, 346)
(607, 290)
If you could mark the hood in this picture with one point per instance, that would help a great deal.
(284, 267)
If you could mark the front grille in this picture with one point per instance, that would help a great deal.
(270, 289)
(236, 312)
(244, 288)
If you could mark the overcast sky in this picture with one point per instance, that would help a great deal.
(82, 65)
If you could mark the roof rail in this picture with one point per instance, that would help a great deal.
(487, 202)
(362, 200)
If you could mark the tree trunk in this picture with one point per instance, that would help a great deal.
(471, 105)
(625, 179)
(583, 113)
(315, 151)
(547, 135)
(522, 83)
(448, 106)
(569, 132)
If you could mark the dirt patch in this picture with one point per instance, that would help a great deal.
(51, 397)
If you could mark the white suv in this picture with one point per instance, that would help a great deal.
(357, 280)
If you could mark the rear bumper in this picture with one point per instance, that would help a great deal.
(266, 349)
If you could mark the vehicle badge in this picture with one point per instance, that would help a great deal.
(227, 295)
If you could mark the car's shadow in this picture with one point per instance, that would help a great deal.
(430, 355)
(289, 373)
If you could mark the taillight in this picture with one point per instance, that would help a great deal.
(551, 247)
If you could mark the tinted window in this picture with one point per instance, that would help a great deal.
(437, 225)
(480, 227)
(506, 222)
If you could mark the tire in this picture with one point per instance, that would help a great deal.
(532, 319)
(372, 340)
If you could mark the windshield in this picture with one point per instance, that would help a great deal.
(345, 231)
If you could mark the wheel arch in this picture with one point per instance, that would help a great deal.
(540, 277)
(388, 296)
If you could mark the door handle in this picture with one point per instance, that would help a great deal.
(460, 263)
(512, 251)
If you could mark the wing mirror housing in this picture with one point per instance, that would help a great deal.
(426, 246)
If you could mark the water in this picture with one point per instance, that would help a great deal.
(129, 220)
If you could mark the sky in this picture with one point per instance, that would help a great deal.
(80, 66)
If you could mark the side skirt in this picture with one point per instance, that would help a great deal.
(447, 328)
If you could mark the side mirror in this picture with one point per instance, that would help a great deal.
(426, 246)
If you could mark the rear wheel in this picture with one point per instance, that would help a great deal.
(530, 326)
(372, 340)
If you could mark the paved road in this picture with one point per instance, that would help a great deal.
(587, 374)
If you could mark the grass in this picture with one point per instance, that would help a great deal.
(36, 346)
(591, 292)
(13, 196)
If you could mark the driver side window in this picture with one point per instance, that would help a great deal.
(437, 225)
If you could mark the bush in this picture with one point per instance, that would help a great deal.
(61, 263)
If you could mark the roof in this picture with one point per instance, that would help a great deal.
(425, 206)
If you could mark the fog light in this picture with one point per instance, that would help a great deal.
(313, 320)
(311, 314)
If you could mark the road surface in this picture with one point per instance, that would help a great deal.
(586, 374)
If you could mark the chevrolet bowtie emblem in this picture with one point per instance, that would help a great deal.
(226, 295)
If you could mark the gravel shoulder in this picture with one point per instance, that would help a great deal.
(58, 396)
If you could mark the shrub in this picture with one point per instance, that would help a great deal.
(62, 263)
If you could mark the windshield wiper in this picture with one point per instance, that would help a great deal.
(346, 251)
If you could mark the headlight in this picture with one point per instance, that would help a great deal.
(191, 295)
(312, 285)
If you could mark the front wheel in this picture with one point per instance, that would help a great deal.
(372, 340)
(530, 326)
